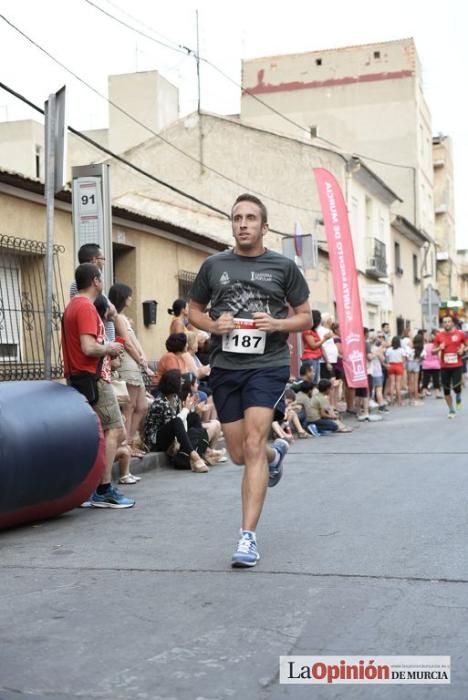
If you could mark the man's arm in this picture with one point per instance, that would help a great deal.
(301, 321)
(91, 348)
(200, 319)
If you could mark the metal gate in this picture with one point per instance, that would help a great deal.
(22, 309)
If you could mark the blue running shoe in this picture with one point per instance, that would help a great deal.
(246, 553)
(113, 498)
(276, 472)
(313, 430)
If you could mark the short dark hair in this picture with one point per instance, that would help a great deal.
(88, 251)
(177, 307)
(85, 274)
(324, 385)
(290, 394)
(170, 382)
(304, 369)
(306, 387)
(254, 200)
(102, 304)
(385, 323)
(118, 295)
(365, 330)
(396, 342)
(176, 342)
(447, 316)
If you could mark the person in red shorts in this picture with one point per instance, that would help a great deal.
(451, 344)
(394, 357)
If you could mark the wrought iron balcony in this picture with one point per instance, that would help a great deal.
(377, 262)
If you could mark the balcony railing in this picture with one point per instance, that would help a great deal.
(377, 262)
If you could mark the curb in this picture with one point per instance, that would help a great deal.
(150, 462)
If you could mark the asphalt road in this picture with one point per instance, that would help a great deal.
(363, 550)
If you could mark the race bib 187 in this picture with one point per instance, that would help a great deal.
(245, 338)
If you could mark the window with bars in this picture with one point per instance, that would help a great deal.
(186, 279)
(22, 309)
(10, 308)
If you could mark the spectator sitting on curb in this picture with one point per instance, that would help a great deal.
(286, 422)
(306, 374)
(211, 425)
(174, 358)
(320, 415)
(166, 427)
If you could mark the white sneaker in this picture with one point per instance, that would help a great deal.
(246, 554)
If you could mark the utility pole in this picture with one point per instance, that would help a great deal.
(55, 154)
(50, 119)
(200, 125)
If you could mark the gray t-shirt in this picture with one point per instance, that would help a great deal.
(243, 285)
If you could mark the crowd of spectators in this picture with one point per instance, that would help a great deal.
(166, 405)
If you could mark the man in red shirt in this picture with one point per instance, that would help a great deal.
(451, 345)
(83, 347)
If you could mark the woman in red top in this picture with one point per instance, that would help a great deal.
(312, 345)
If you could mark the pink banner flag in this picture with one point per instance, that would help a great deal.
(345, 279)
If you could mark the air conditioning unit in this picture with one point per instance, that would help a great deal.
(377, 266)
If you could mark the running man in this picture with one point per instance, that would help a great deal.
(451, 344)
(248, 290)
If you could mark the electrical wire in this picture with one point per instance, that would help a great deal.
(246, 91)
(177, 48)
(132, 166)
(146, 127)
(146, 26)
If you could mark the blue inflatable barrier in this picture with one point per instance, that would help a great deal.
(51, 451)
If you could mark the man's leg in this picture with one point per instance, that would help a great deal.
(447, 388)
(327, 424)
(457, 379)
(107, 408)
(247, 445)
(113, 439)
(234, 439)
(257, 456)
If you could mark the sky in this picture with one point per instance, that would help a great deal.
(95, 46)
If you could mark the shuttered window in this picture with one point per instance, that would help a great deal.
(10, 309)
